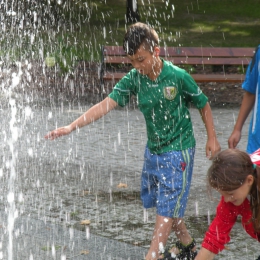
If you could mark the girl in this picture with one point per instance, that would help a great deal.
(235, 176)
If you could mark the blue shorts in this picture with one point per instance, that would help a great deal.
(166, 180)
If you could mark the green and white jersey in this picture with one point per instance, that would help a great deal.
(164, 104)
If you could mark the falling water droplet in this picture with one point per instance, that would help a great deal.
(196, 208)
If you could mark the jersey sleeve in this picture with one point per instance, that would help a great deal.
(192, 92)
(124, 89)
(252, 74)
(218, 232)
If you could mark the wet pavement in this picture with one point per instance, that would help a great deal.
(57, 184)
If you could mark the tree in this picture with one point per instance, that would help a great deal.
(132, 14)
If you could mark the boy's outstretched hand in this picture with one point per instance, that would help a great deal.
(65, 130)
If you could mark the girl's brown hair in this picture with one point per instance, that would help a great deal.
(229, 171)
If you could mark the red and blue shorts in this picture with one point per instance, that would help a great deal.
(166, 180)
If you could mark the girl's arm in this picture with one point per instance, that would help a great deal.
(91, 115)
(204, 254)
(218, 232)
(212, 146)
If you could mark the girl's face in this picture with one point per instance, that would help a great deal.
(238, 196)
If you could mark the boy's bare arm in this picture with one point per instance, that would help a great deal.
(91, 115)
(212, 146)
(246, 106)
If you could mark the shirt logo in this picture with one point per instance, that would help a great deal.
(170, 92)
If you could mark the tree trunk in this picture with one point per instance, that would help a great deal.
(132, 14)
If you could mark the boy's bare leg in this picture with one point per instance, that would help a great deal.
(162, 230)
(179, 227)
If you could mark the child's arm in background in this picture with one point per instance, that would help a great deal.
(212, 146)
(91, 115)
(246, 107)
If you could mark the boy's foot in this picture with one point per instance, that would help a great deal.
(181, 252)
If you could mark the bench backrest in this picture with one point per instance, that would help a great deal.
(188, 55)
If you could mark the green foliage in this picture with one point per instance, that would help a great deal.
(74, 214)
(189, 68)
(242, 69)
(75, 30)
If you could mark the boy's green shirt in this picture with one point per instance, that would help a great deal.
(164, 104)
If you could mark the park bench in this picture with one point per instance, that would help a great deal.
(115, 64)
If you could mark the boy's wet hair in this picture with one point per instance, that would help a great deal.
(229, 171)
(140, 34)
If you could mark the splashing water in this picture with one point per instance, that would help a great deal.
(12, 212)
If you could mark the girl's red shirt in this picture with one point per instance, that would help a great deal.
(218, 232)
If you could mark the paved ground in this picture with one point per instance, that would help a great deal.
(36, 239)
(56, 184)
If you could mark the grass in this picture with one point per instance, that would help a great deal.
(216, 23)
(87, 25)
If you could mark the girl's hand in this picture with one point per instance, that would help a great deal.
(65, 130)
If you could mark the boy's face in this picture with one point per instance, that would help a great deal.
(145, 62)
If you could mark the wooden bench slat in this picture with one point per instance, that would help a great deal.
(186, 56)
(116, 59)
(209, 61)
(207, 52)
(238, 78)
(187, 60)
(190, 51)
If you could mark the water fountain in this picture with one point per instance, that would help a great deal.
(48, 188)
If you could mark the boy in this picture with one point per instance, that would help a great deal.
(250, 101)
(163, 93)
